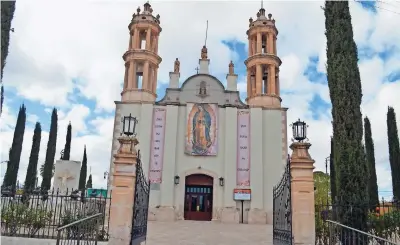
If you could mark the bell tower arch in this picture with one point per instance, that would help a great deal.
(263, 63)
(142, 59)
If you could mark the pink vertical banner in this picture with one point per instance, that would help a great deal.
(243, 148)
(157, 145)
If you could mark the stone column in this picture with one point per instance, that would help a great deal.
(259, 43)
(258, 79)
(302, 190)
(250, 47)
(270, 43)
(253, 46)
(148, 39)
(132, 81)
(155, 80)
(271, 80)
(123, 190)
(248, 83)
(145, 78)
(156, 44)
(135, 39)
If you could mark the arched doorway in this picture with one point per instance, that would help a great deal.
(198, 197)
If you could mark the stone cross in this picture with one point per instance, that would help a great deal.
(65, 176)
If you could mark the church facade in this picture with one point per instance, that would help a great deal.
(208, 154)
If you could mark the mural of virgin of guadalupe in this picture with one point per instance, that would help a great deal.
(201, 131)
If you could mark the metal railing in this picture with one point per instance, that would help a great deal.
(382, 221)
(84, 231)
(39, 214)
(340, 234)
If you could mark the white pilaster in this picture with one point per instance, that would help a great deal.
(168, 173)
(174, 80)
(272, 156)
(231, 81)
(256, 158)
(204, 64)
(144, 135)
(230, 155)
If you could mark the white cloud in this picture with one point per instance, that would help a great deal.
(55, 42)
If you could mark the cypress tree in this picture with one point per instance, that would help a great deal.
(31, 172)
(82, 176)
(89, 182)
(2, 98)
(11, 175)
(394, 152)
(345, 93)
(370, 153)
(67, 147)
(50, 152)
(332, 174)
(7, 14)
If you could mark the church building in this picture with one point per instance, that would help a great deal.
(208, 154)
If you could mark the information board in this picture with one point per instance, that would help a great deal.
(242, 194)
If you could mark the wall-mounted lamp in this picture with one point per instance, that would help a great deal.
(221, 181)
(176, 180)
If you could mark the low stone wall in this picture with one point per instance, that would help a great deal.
(32, 241)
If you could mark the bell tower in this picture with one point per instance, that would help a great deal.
(142, 59)
(262, 63)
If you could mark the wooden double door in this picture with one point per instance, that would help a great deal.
(198, 198)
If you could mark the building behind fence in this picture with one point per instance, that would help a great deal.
(38, 215)
(383, 222)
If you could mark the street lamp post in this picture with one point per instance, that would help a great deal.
(326, 172)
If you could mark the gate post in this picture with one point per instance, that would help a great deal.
(123, 189)
(302, 188)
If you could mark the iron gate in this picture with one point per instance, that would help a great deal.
(282, 224)
(140, 206)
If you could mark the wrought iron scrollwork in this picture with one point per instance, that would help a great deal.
(140, 206)
(282, 224)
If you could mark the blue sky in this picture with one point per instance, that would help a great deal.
(82, 76)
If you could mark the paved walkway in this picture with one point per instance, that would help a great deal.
(207, 233)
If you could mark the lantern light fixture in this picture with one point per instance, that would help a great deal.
(221, 181)
(176, 180)
(299, 129)
(129, 125)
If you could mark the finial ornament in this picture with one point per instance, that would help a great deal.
(269, 16)
(231, 68)
(204, 53)
(177, 65)
(138, 10)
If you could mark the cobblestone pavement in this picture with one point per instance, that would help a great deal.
(207, 233)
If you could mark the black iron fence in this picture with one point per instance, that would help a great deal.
(40, 214)
(383, 222)
(282, 206)
(84, 231)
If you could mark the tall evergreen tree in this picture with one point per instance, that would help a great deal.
(332, 173)
(31, 172)
(67, 147)
(394, 152)
(89, 182)
(50, 152)
(345, 93)
(82, 176)
(7, 14)
(370, 153)
(10, 178)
